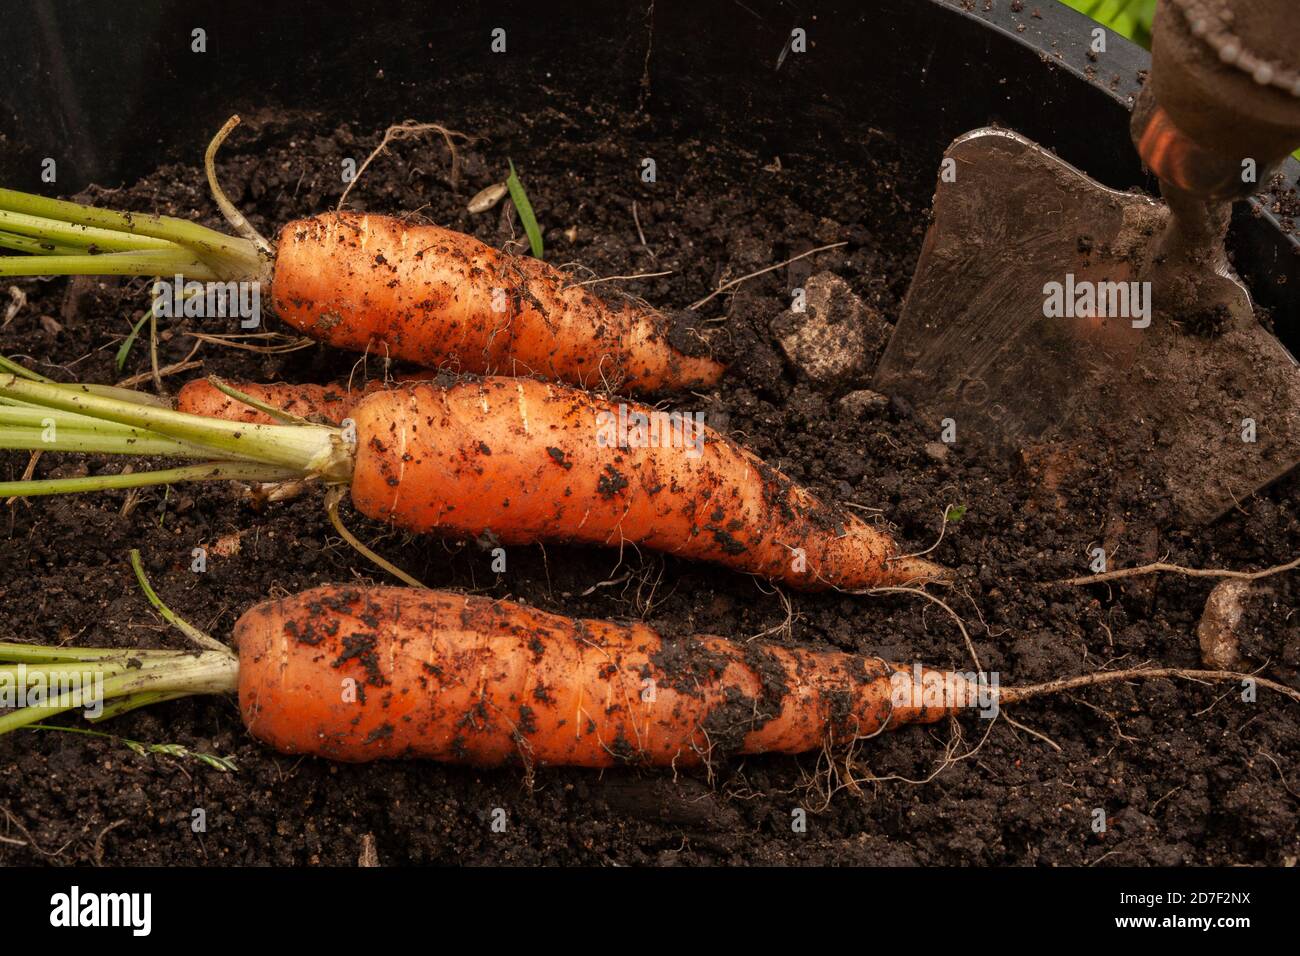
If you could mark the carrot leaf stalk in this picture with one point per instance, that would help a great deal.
(108, 391)
(278, 414)
(22, 371)
(201, 638)
(40, 416)
(107, 682)
(67, 238)
(233, 215)
(103, 675)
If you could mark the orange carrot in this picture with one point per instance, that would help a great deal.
(373, 283)
(524, 460)
(357, 674)
(440, 298)
(331, 403)
(532, 462)
(472, 680)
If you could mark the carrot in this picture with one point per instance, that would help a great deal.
(332, 403)
(524, 460)
(355, 674)
(443, 299)
(472, 680)
(373, 283)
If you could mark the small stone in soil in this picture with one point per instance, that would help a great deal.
(836, 339)
(862, 402)
(936, 450)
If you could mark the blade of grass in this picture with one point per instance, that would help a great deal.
(525, 209)
(125, 349)
(152, 319)
(223, 764)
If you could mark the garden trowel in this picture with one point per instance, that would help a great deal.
(1049, 312)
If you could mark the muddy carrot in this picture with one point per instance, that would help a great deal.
(527, 461)
(536, 462)
(373, 283)
(330, 403)
(443, 299)
(359, 674)
(356, 674)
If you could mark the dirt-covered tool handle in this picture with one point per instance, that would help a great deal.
(1222, 104)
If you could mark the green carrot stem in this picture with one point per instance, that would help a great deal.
(104, 391)
(63, 675)
(123, 705)
(230, 257)
(36, 247)
(9, 365)
(150, 262)
(233, 215)
(121, 394)
(307, 449)
(332, 509)
(36, 428)
(11, 652)
(28, 674)
(279, 414)
(208, 471)
(80, 236)
(120, 679)
(153, 350)
(201, 638)
(89, 443)
(206, 672)
(36, 416)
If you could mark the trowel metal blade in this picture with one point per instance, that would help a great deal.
(975, 343)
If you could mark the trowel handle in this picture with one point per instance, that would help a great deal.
(1221, 106)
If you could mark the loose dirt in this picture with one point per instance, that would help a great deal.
(1184, 773)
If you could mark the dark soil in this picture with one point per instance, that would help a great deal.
(1185, 773)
